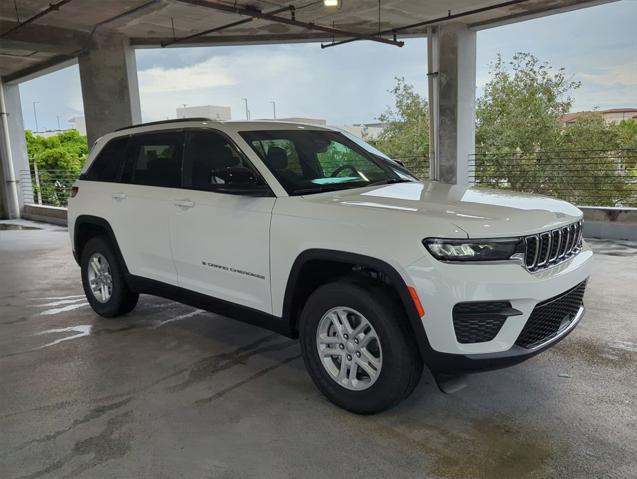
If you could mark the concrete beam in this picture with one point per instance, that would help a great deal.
(108, 74)
(42, 38)
(453, 47)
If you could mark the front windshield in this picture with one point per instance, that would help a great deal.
(363, 144)
(313, 161)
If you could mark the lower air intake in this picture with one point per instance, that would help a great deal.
(552, 316)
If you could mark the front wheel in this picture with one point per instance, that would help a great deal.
(357, 348)
(103, 280)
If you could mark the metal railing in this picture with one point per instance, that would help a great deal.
(417, 164)
(582, 177)
(47, 187)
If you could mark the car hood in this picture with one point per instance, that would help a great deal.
(477, 211)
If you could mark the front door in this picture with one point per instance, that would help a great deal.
(221, 238)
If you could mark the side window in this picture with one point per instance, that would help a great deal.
(212, 162)
(109, 162)
(155, 160)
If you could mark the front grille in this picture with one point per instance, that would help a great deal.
(552, 247)
(551, 316)
(480, 321)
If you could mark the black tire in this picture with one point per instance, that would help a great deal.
(401, 363)
(122, 299)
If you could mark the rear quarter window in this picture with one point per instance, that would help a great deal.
(109, 162)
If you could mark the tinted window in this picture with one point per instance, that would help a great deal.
(109, 162)
(155, 160)
(282, 147)
(211, 161)
(313, 161)
(339, 160)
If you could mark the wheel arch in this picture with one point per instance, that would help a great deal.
(89, 226)
(298, 290)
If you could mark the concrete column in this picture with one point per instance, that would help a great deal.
(453, 47)
(16, 187)
(108, 73)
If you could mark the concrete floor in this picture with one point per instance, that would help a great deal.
(170, 391)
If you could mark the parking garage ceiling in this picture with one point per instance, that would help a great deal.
(62, 29)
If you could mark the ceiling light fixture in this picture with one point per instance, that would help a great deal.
(331, 3)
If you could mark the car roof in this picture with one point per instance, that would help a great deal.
(223, 126)
(234, 126)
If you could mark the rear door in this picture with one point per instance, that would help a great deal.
(144, 203)
(99, 183)
(221, 238)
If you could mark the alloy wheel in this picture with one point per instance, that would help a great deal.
(100, 278)
(349, 348)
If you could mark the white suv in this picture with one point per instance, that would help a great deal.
(315, 234)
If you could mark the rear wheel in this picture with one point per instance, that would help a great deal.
(103, 279)
(357, 348)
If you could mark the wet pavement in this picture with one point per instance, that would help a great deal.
(171, 391)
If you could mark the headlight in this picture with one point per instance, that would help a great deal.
(475, 250)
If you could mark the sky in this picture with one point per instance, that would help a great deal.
(350, 83)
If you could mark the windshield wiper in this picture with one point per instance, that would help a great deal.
(323, 189)
(318, 189)
(388, 181)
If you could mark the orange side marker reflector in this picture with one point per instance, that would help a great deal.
(416, 300)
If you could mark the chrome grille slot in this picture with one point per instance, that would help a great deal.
(552, 247)
(532, 250)
(556, 239)
(545, 249)
(571, 244)
(564, 245)
(578, 232)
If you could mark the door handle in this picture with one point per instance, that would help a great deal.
(119, 196)
(184, 203)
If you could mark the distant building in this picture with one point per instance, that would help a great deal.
(369, 131)
(213, 112)
(614, 115)
(77, 123)
(47, 133)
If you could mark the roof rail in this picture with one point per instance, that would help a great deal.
(162, 122)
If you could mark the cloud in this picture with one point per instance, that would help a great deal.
(218, 71)
(224, 79)
(623, 75)
(199, 77)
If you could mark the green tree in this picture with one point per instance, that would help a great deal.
(591, 164)
(522, 104)
(59, 159)
(628, 134)
(517, 115)
(406, 133)
(65, 151)
(522, 144)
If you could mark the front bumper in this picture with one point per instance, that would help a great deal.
(458, 363)
(441, 286)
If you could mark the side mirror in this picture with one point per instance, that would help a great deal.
(241, 181)
(238, 176)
